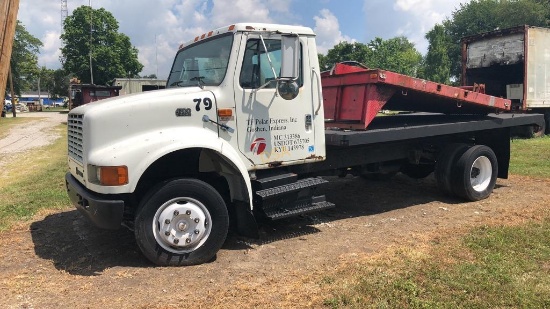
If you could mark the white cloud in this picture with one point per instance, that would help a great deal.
(422, 16)
(328, 31)
(229, 12)
(157, 28)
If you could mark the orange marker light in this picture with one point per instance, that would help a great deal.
(225, 112)
(210, 33)
(113, 175)
(231, 28)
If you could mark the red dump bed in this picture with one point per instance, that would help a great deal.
(353, 96)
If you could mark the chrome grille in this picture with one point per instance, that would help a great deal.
(75, 133)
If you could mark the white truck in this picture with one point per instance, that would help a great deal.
(246, 127)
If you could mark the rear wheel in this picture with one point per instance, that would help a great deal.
(475, 173)
(181, 222)
(547, 123)
(445, 162)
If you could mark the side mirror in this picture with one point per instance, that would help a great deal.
(290, 64)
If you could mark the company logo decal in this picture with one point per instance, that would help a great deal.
(258, 145)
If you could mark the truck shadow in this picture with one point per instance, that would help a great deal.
(76, 246)
(354, 197)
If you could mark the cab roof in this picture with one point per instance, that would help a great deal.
(252, 27)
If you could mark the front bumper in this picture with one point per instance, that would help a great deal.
(105, 213)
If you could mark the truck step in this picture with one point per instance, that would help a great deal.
(290, 188)
(291, 199)
(299, 208)
(274, 180)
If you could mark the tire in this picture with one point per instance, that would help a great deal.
(445, 162)
(181, 222)
(475, 173)
(547, 123)
(417, 171)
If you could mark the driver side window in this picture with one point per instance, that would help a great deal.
(256, 70)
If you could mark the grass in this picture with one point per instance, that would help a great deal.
(489, 267)
(531, 157)
(34, 182)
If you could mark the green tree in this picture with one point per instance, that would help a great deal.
(480, 16)
(112, 53)
(345, 51)
(60, 84)
(24, 60)
(437, 65)
(45, 78)
(397, 54)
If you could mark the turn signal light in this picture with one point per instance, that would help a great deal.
(113, 175)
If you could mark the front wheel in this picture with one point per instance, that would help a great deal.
(181, 222)
(475, 173)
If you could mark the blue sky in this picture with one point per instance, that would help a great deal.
(158, 27)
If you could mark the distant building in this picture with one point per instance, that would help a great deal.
(38, 98)
(86, 93)
(135, 85)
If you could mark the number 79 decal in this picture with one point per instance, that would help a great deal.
(206, 101)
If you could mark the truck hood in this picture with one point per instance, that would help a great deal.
(136, 98)
(117, 120)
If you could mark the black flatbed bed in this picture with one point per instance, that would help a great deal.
(421, 125)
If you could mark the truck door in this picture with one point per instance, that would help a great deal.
(272, 130)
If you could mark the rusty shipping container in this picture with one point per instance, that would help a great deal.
(513, 63)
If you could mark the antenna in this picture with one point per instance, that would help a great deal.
(64, 13)
(91, 29)
(156, 57)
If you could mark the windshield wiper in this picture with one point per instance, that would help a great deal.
(199, 80)
(177, 83)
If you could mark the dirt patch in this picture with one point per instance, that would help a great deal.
(60, 259)
(30, 135)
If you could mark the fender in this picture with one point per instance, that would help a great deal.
(140, 151)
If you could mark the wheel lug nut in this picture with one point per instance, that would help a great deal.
(167, 221)
(176, 212)
(176, 241)
(188, 212)
(188, 240)
(167, 233)
(196, 231)
(197, 220)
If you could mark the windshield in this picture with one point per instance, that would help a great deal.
(202, 64)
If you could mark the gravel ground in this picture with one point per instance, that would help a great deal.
(30, 135)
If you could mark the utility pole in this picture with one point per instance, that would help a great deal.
(8, 21)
